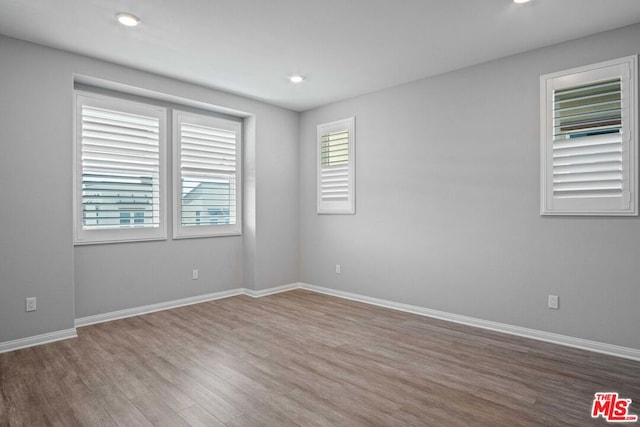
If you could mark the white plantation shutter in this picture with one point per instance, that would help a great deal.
(207, 169)
(336, 160)
(589, 140)
(118, 162)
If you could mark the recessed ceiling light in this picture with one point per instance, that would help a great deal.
(296, 79)
(521, 1)
(128, 19)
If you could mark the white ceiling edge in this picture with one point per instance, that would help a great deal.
(344, 49)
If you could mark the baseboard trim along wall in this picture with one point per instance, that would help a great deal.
(137, 311)
(271, 291)
(595, 346)
(37, 340)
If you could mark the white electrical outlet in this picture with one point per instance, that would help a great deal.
(554, 302)
(196, 275)
(337, 268)
(31, 304)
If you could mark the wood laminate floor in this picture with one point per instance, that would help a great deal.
(302, 358)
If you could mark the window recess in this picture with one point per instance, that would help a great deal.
(589, 140)
(336, 167)
(119, 170)
(207, 161)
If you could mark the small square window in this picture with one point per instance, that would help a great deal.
(589, 140)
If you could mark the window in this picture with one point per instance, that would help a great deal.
(206, 175)
(336, 160)
(119, 170)
(589, 140)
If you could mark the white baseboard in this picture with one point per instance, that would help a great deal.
(595, 346)
(271, 291)
(136, 311)
(37, 340)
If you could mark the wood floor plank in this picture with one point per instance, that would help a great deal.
(198, 417)
(123, 412)
(204, 397)
(303, 359)
(157, 412)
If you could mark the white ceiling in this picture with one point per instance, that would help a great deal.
(343, 47)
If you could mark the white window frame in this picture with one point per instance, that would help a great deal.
(627, 204)
(180, 231)
(345, 206)
(126, 234)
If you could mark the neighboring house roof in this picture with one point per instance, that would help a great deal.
(201, 189)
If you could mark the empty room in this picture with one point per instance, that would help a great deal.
(319, 213)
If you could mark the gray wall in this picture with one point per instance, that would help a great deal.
(447, 204)
(37, 257)
(36, 252)
(447, 178)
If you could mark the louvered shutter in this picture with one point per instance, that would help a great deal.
(589, 146)
(207, 152)
(119, 167)
(336, 159)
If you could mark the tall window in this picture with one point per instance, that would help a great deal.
(119, 172)
(589, 140)
(336, 164)
(206, 175)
